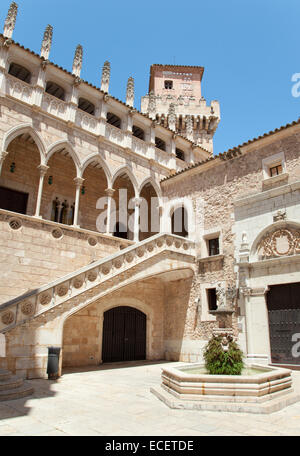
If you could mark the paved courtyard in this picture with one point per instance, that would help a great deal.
(114, 399)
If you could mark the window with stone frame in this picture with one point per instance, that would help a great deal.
(113, 119)
(55, 90)
(211, 299)
(168, 84)
(86, 106)
(213, 246)
(18, 71)
(275, 170)
(160, 144)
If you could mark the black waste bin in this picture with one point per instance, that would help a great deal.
(53, 362)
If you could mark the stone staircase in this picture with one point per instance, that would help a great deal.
(78, 288)
(13, 387)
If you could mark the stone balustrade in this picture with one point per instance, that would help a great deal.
(54, 295)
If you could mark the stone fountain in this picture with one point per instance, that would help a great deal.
(259, 389)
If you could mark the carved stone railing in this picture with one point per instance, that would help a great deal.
(115, 135)
(53, 295)
(18, 89)
(54, 106)
(86, 121)
(139, 146)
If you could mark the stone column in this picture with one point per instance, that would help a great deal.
(78, 182)
(137, 202)
(43, 170)
(3, 156)
(110, 193)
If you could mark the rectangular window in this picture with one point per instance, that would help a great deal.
(213, 247)
(212, 299)
(275, 170)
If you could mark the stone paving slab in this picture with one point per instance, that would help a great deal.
(115, 399)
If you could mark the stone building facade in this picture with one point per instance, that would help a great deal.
(198, 231)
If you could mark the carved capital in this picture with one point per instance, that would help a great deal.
(43, 169)
(78, 181)
(109, 192)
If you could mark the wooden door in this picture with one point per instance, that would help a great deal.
(124, 335)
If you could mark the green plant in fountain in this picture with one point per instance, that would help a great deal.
(223, 358)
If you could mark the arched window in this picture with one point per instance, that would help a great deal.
(55, 90)
(86, 106)
(160, 144)
(179, 222)
(138, 132)
(179, 154)
(19, 72)
(114, 120)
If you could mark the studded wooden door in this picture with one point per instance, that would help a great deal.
(124, 335)
(283, 303)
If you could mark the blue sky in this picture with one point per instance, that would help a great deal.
(249, 49)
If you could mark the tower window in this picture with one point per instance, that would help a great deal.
(275, 170)
(20, 72)
(168, 84)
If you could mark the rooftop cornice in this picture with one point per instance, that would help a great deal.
(82, 81)
(236, 151)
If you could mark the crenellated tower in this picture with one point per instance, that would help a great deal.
(175, 91)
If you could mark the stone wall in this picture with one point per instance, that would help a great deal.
(31, 256)
(82, 339)
(213, 188)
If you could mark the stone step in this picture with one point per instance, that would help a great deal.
(16, 393)
(10, 383)
(4, 374)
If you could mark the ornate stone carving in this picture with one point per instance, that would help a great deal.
(15, 223)
(231, 294)
(129, 257)
(106, 269)
(189, 127)
(10, 20)
(150, 247)
(172, 117)
(280, 215)
(77, 62)
(130, 92)
(62, 290)
(92, 276)
(105, 76)
(92, 241)
(57, 233)
(152, 105)
(140, 252)
(27, 308)
(281, 242)
(47, 41)
(78, 282)
(8, 317)
(118, 263)
(221, 295)
(45, 299)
